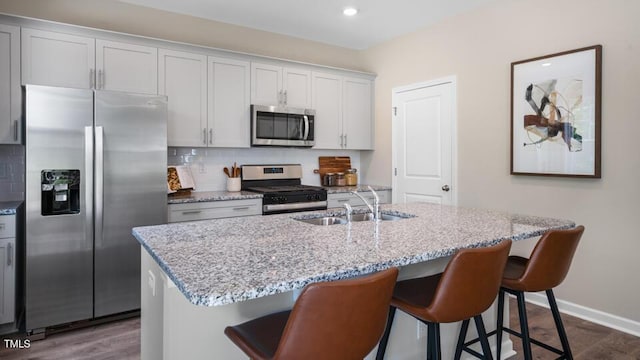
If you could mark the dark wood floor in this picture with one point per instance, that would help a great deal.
(121, 341)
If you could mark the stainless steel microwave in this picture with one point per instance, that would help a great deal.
(281, 126)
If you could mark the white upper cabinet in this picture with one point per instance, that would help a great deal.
(182, 77)
(10, 93)
(297, 88)
(327, 102)
(126, 67)
(278, 86)
(228, 110)
(357, 114)
(56, 59)
(344, 116)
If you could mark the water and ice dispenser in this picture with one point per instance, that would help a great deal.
(60, 192)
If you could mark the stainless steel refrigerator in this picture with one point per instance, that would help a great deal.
(95, 168)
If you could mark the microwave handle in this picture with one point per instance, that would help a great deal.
(306, 127)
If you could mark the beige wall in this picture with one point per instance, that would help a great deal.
(132, 19)
(478, 49)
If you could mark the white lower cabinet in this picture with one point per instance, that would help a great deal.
(7, 268)
(339, 199)
(214, 210)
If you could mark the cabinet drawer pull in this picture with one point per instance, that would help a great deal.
(342, 200)
(241, 208)
(192, 212)
(9, 254)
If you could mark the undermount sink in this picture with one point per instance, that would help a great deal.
(325, 220)
(333, 220)
(369, 217)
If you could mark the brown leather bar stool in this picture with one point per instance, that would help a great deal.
(546, 268)
(466, 288)
(330, 320)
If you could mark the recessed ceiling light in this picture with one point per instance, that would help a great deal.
(350, 11)
(546, 64)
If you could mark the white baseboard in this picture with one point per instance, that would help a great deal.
(583, 312)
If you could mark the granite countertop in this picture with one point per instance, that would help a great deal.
(204, 196)
(9, 207)
(359, 187)
(217, 262)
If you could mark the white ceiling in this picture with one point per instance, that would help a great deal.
(322, 20)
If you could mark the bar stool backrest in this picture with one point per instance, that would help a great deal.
(338, 320)
(550, 259)
(469, 283)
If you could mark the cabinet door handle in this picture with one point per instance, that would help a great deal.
(242, 208)
(341, 140)
(345, 140)
(285, 98)
(9, 254)
(210, 136)
(15, 130)
(342, 200)
(102, 79)
(92, 79)
(204, 136)
(192, 212)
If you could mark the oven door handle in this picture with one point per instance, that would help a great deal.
(306, 127)
(294, 206)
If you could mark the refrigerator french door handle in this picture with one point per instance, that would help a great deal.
(99, 184)
(88, 180)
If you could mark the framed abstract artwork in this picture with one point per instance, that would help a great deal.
(555, 114)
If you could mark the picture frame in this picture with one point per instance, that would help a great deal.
(555, 114)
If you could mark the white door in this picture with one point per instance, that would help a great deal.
(357, 120)
(423, 142)
(55, 59)
(229, 93)
(297, 88)
(266, 84)
(10, 92)
(327, 102)
(183, 78)
(126, 67)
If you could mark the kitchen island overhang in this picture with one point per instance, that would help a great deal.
(266, 259)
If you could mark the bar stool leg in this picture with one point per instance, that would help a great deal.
(556, 318)
(524, 326)
(482, 334)
(499, 324)
(461, 338)
(382, 346)
(433, 341)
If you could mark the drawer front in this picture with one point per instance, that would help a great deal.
(7, 226)
(338, 200)
(214, 210)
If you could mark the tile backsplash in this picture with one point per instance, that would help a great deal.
(207, 163)
(12, 182)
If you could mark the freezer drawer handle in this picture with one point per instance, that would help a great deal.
(191, 212)
(243, 208)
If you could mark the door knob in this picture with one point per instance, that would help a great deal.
(445, 188)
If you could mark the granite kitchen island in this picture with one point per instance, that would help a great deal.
(199, 277)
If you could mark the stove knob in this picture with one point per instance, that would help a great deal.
(317, 196)
(283, 199)
(309, 197)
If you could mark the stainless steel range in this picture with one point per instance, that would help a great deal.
(282, 189)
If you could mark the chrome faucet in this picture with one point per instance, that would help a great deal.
(375, 208)
(349, 212)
